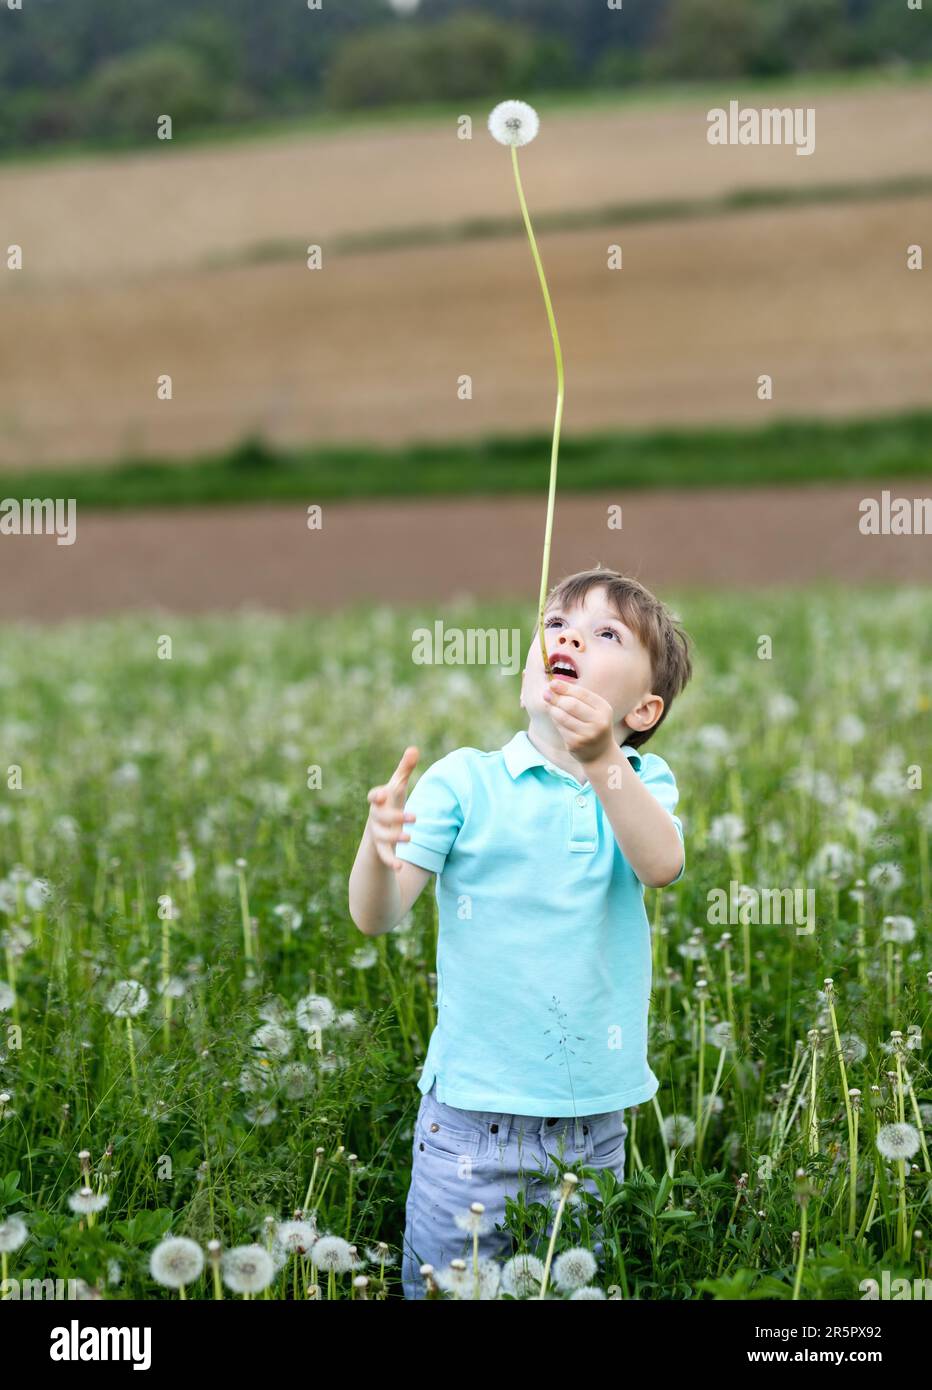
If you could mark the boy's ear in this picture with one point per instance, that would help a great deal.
(645, 715)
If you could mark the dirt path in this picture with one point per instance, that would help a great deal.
(431, 551)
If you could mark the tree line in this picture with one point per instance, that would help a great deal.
(103, 70)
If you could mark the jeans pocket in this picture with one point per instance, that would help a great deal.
(608, 1133)
(445, 1131)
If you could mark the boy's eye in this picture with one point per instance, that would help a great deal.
(610, 630)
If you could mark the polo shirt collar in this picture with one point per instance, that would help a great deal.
(520, 754)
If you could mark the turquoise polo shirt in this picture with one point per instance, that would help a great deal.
(544, 949)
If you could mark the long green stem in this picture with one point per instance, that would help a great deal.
(559, 413)
(802, 1256)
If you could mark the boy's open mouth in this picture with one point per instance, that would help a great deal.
(564, 666)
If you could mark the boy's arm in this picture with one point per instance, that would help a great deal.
(646, 831)
(380, 892)
(380, 896)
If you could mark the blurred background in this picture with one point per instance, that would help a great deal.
(341, 129)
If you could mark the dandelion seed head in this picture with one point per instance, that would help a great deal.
(176, 1261)
(475, 1222)
(87, 1200)
(333, 1252)
(514, 123)
(126, 999)
(314, 1011)
(247, 1268)
(574, 1268)
(898, 1141)
(13, 1233)
(678, 1131)
(522, 1275)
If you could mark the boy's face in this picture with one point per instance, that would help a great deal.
(609, 660)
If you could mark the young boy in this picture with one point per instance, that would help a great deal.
(541, 849)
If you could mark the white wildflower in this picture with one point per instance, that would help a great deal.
(514, 123)
(522, 1275)
(899, 929)
(898, 1141)
(176, 1261)
(87, 1201)
(126, 999)
(272, 1040)
(247, 1268)
(678, 1131)
(13, 1233)
(314, 1011)
(886, 876)
(574, 1268)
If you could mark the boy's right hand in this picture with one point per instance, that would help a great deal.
(387, 814)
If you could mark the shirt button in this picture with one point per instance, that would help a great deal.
(434, 1128)
(580, 801)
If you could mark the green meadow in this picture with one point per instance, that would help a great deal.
(196, 1042)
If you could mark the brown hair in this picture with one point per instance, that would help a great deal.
(666, 644)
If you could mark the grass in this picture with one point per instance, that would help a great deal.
(636, 97)
(789, 451)
(166, 832)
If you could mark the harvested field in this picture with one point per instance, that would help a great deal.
(371, 347)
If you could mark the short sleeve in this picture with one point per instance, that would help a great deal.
(439, 801)
(657, 777)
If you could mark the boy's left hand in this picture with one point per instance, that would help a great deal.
(585, 721)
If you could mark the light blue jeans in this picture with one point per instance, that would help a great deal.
(464, 1156)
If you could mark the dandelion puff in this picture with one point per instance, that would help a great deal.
(295, 1080)
(514, 123)
(460, 1280)
(574, 1268)
(36, 894)
(722, 1034)
(376, 1256)
(898, 1141)
(7, 997)
(885, 876)
(87, 1201)
(126, 999)
(522, 1275)
(13, 1233)
(832, 861)
(289, 916)
(247, 1268)
(176, 1261)
(899, 929)
(333, 1252)
(364, 958)
(314, 1011)
(590, 1292)
(678, 1131)
(853, 1048)
(727, 831)
(573, 1198)
(475, 1222)
(295, 1237)
(256, 1075)
(263, 1113)
(271, 1038)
